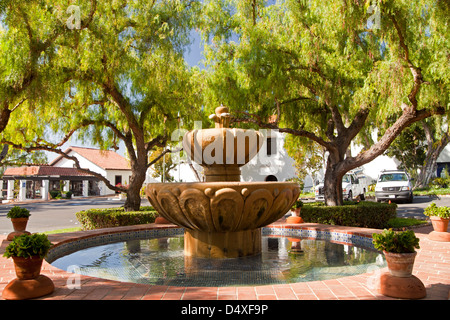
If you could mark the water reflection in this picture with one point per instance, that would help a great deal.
(162, 261)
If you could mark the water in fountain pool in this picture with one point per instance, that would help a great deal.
(162, 261)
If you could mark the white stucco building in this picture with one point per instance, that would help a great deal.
(40, 181)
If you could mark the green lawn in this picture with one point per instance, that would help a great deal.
(397, 223)
(432, 192)
(62, 230)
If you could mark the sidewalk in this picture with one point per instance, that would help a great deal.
(432, 267)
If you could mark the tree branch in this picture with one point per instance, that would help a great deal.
(252, 118)
(159, 141)
(18, 104)
(161, 155)
(408, 117)
(416, 72)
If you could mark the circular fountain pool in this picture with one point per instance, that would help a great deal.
(161, 260)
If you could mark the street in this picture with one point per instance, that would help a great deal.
(56, 214)
(60, 214)
(415, 209)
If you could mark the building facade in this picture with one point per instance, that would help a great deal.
(61, 176)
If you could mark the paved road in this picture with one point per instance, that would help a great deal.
(60, 214)
(415, 209)
(56, 214)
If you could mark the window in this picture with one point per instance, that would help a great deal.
(271, 146)
(393, 177)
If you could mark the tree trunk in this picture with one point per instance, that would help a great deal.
(133, 201)
(333, 188)
(332, 185)
(426, 171)
(433, 151)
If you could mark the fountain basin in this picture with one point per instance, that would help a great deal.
(222, 219)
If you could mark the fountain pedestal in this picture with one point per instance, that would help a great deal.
(222, 244)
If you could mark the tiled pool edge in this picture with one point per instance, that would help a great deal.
(431, 266)
(70, 242)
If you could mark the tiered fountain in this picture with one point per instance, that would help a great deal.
(222, 216)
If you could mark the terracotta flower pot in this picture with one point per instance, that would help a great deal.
(439, 224)
(400, 264)
(19, 224)
(27, 268)
(30, 283)
(294, 219)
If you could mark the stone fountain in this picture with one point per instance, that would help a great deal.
(222, 216)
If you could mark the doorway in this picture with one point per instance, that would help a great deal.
(118, 182)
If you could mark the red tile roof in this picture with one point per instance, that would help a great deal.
(44, 171)
(105, 159)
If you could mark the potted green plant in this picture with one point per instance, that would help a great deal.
(296, 208)
(439, 217)
(28, 252)
(295, 212)
(19, 218)
(399, 250)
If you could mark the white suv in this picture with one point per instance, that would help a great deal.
(393, 185)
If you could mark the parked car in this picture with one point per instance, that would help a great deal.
(352, 186)
(394, 185)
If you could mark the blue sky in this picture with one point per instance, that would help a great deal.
(194, 53)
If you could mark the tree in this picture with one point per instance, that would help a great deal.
(437, 135)
(327, 74)
(309, 159)
(163, 165)
(29, 32)
(419, 147)
(121, 78)
(409, 148)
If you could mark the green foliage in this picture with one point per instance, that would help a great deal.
(308, 156)
(396, 242)
(324, 73)
(120, 76)
(409, 148)
(18, 212)
(27, 246)
(163, 166)
(365, 214)
(298, 204)
(440, 182)
(16, 157)
(434, 210)
(55, 194)
(115, 217)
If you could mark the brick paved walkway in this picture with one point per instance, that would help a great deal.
(432, 267)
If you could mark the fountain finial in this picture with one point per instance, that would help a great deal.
(221, 117)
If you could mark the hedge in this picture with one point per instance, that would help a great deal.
(115, 217)
(364, 214)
